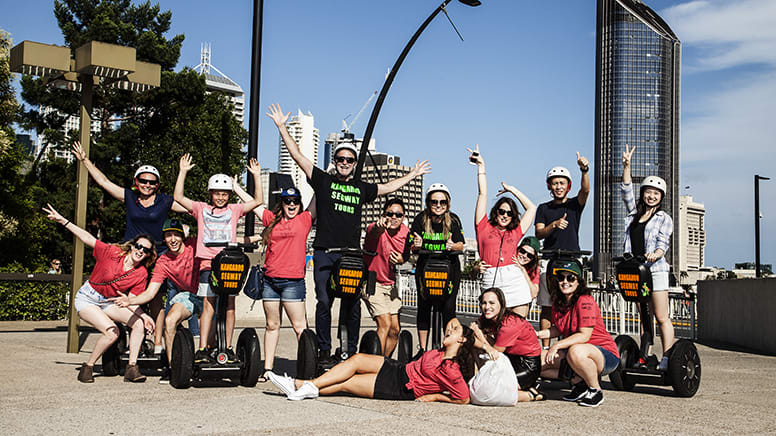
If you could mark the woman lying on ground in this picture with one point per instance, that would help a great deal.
(365, 375)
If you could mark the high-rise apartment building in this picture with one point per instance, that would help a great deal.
(691, 227)
(389, 168)
(637, 104)
(72, 123)
(221, 83)
(302, 128)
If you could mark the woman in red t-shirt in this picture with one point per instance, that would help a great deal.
(498, 235)
(499, 330)
(587, 348)
(119, 269)
(427, 379)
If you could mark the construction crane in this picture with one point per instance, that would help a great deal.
(346, 127)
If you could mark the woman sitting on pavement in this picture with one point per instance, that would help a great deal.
(427, 379)
(119, 268)
(511, 334)
(586, 348)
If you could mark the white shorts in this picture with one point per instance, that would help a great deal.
(87, 296)
(659, 281)
(511, 281)
(543, 299)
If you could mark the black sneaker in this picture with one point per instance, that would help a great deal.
(230, 356)
(592, 398)
(202, 356)
(165, 378)
(577, 393)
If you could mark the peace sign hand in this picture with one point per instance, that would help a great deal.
(474, 155)
(627, 155)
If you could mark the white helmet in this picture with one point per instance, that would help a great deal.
(558, 172)
(654, 182)
(437, 187)
(220, 182)
(346, 146)
(148, 169)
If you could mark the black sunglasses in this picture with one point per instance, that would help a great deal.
(147, 182)
(393, 214)
(340, 159)
(571, 278)
(506, 212)
(292, 200)
(525, 253)
(140, 247)
(438, 202)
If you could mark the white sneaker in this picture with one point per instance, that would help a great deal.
(283, 382)
(663, 365)
(308, 390)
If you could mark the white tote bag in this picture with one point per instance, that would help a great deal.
(495, 384)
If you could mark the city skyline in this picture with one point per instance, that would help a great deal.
(530, 106)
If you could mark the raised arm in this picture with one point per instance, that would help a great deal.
(276, 113)
(258, 194)
(184, 166)
(111, 188)
(626, 165)
(86, 237)
(528, 205)
(312, 208)
(481, 207)
(584, 189)
(420, 169)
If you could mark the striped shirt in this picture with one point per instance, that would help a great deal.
(657, 233)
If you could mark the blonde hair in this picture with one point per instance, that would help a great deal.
(149, 260)
(447, 219)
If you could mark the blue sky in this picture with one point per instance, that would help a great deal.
(521, 85)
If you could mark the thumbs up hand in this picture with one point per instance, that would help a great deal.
(560, 223)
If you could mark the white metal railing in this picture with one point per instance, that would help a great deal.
(620, 316)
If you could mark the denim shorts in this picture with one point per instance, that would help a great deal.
(191, 302)
(610, 361)
(87, 296)
(290, 290)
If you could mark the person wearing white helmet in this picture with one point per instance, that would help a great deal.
(338, 202)
(435, 228)
(557, 223)
(648, 231)
(216, 222)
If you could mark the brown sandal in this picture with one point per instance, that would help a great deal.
(536, 395)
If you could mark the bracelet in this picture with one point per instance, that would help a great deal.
(65, 224)
(585, 169)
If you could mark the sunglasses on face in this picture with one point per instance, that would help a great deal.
(147, 182)
(506, 212)
(525, 253)
(340, 159)
(55, 263)
(438, 202)
(292, 200)
(393, 214)
(140, 247)
(571, 278)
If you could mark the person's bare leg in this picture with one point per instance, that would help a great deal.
(587, 362)
(99, 320)
(660, 306)
(272, 313)
(545, 322)
(357, 364)
(383, 326)
(360, 385)
(393, 336)
(156, 310)
(230, 318)
(136, 326)
(206, 321)
(175, 316)
(295, 311)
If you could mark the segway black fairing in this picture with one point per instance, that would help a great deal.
(229, 271)
(635, 279)
(347, 277)
(307, 356)
(436, 280)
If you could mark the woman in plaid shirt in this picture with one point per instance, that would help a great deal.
(648, 232)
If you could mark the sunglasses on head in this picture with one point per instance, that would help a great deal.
(147, 182)
(506, 212)
(393, 214)
(571, 278)
(525, 253)
(292, 200)
(139, 246)
(340, 159)
(438, 202)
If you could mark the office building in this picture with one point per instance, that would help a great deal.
(72, 124)
(387, 167)
(637, 103)
(692, 240)
(220, 82)
(302, 128)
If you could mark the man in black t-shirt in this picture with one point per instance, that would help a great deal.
(557, 223)
(338, 202)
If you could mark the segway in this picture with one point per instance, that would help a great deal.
(229, 271)
(348, 276)
(684, 364)
(116, 357)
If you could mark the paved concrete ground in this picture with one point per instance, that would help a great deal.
(39, 394)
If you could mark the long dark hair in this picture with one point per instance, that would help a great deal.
(465, 355)
(493, 217)
(267, 233)
(559, 302)
(491, 327)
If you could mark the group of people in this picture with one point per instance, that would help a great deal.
(511, 273)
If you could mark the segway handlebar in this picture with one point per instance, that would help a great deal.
(432, 252)
(556, 253)
(349, 250)
(629, 256)
(231, 244)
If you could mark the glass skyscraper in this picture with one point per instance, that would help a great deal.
(637, 103)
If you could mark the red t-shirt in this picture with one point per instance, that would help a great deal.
(489, 240)
(110, 266)
(287, 246)
(383, 245)
(431, 375)
(181, 269)
(214, 225)
(585, 313)
(518, 337)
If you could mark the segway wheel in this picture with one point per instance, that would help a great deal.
(182, 365)
(629, 352)
(249, 353)
(405, 346)
(370, 344)
(684, 368)
(307, 356)
(111, 358)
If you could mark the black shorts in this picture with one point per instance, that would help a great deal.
(527, 369)
(391, 382)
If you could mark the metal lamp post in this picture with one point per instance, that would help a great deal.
(757, 179)
(389, 80)
(95, 64)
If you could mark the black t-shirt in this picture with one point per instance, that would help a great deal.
(568, 238)
(338, 205)
(436, 240)
(636, 230)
